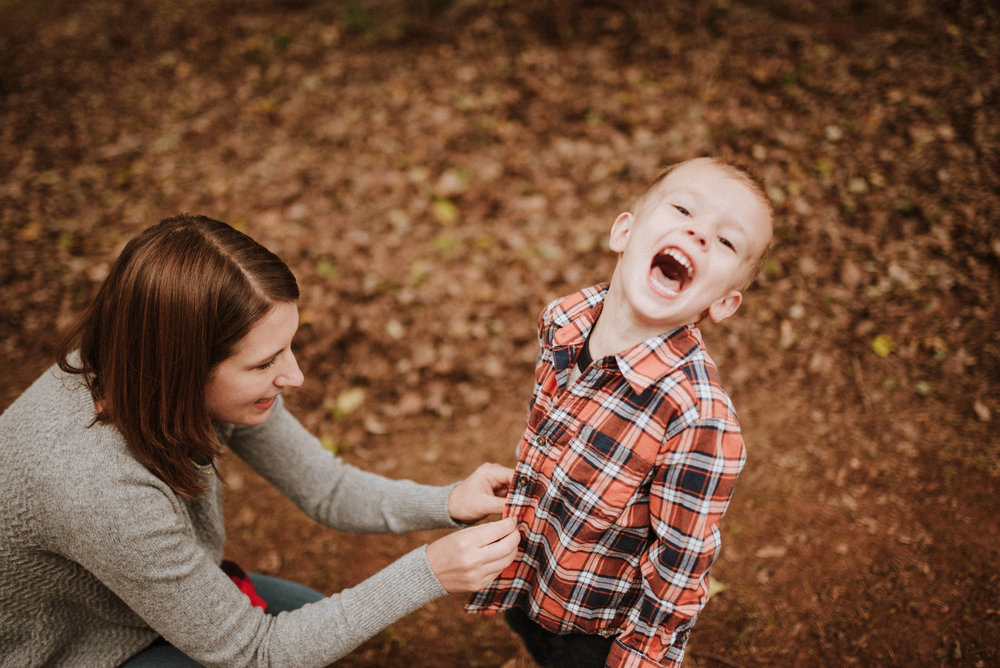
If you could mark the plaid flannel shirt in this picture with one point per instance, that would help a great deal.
(620, 485)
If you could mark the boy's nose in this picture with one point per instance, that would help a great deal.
(699, 238)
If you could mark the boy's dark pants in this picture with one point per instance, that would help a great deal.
(576, 650)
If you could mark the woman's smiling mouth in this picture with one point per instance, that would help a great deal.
(264, 404)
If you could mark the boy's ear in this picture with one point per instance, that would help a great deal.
(725, 306)
(620, 230)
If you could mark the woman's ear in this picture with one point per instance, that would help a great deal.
(725, 306)
(620, 230)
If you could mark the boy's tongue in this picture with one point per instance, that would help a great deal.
(670, 272)
(665, 282)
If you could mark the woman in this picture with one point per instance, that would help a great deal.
(111, 530)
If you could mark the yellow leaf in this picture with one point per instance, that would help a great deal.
(883, 345)
(446, 244)
(445, 212)
(347, 402)
(326, 440)
(326, 268)
(715, 587)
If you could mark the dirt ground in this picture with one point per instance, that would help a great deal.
(435, 172)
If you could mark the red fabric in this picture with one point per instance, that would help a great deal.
(243, 583)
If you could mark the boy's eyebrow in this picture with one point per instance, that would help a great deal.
(700, 200)
(740, 229)
(686, 191)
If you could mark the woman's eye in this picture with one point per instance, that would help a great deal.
(682, 210)
(266, 365)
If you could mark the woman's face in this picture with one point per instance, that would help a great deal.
(243, 387)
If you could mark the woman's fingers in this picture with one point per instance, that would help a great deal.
(497, 555)
(491, 532)
(470, 559)
(481, 494)
(502, 552)
(491, 505)
(497, 477)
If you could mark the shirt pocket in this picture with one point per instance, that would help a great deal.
(597, 479)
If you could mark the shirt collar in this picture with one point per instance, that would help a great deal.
(641, 365)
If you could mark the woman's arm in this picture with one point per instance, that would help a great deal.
(331, 492)
(141, 548)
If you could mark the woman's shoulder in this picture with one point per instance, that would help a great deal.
(51, 406)
(51, 448)
(79, 489)
(55, 407)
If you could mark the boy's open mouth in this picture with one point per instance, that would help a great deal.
(671, 270)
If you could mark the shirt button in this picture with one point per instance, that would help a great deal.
(522, 482)
(540, 441)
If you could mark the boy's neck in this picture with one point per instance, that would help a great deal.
(615, 331)
(608, 339)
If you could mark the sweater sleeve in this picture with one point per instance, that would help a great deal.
(332, 492)
(132, 535)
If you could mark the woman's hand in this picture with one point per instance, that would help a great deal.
(469, 559)
(481, 494)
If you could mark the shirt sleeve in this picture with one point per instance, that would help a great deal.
(690, 492)
(332, 492)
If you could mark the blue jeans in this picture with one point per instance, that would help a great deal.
(281, 595)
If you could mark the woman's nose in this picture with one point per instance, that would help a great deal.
(290, 374)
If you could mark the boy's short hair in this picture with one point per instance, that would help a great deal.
(739, 170)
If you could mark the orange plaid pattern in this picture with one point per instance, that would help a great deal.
(621, 481)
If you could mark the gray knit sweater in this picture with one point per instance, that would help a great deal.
(98, 556)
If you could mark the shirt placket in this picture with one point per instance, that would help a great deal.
(546, 445)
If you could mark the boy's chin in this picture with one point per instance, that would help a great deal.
(660, 319)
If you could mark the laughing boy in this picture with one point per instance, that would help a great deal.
(632, 447)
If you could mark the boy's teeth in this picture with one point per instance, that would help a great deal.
(680, 258)
(672, 270)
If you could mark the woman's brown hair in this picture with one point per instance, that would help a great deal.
(174, 304)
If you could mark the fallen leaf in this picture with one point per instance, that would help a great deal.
(328, 443)
(395, 329)
(445, 212)
(883, 345)
(771, 552)
(347, 402)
